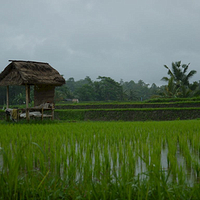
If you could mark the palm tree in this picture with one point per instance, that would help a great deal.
(180, 78)
(170, 90)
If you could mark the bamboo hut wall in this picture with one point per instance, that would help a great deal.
(43, 94)
(2, 95)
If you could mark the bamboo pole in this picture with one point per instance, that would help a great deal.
(52, 114)
(42, 113)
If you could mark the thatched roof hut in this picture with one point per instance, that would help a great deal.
(30, 73)
(44, 78)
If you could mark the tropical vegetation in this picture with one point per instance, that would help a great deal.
(107, 89)
(178, 81)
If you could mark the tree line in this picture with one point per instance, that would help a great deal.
(107, 89)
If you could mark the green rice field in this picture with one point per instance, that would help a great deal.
(100, 160)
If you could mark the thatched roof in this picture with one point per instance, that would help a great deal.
(31, 73)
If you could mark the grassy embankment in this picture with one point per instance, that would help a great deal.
(129, 111)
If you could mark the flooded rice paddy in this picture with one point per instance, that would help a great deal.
(104, 150)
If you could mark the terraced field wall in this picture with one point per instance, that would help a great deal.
(126, 111)
(130, 111)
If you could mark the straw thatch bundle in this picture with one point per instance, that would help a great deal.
(30, 73)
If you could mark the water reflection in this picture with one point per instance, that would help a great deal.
(191, 170)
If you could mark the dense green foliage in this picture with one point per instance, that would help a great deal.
(106, 89)
(109, 90)
(178, 81)
(109, 160)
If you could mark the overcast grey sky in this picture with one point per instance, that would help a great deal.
(122, 39)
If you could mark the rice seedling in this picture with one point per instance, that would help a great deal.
(100, 160)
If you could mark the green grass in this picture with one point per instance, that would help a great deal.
(149, 102)
(131, 109)
(127, 114)
(158, 100)
(100, 160)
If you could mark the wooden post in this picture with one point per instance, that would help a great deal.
(27, 101)
(52, 114)
(42, 113)
(52, 111)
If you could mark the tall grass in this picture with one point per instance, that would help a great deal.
(100, 160)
